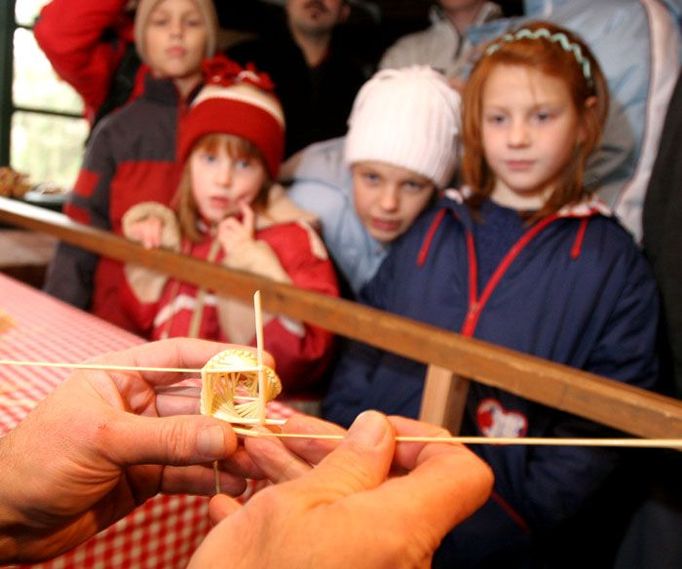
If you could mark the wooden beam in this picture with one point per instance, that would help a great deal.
(444, 399)
(612, 403)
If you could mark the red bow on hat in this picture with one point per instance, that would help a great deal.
(222, 71)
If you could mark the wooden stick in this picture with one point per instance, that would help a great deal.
(625, 443)
(216, 476)
(584, 442)
(113, 367)
(259, 355)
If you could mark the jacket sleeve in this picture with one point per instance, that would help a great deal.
(561, 481)
(146, 285)
(72, 35)
(141, 310)
(347, 394)
(71, 273)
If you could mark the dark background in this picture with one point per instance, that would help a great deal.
(372, 27)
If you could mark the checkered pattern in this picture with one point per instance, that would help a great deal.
(167, 529)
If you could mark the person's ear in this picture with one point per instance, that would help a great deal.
(590, 104)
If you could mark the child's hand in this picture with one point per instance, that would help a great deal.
(234, 234)
(147, 231)
(244, 252)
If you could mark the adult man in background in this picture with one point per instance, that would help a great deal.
(315, 77)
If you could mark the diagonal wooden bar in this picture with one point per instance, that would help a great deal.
(623, 407)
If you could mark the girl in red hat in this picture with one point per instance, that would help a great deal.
(231, 143)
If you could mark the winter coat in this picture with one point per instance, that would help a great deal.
(574, 289)
(290, 252)
(130, 159)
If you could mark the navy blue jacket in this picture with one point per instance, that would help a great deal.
(576, 290)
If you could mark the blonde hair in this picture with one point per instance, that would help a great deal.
(185, 204)
(588, 91)
(144, 10)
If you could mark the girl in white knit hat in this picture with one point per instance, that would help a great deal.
(370, 186)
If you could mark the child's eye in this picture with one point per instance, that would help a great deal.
(159, 21)
(242, 163)
(542, 116)
(208, 157)
(194, 22)
(495, 118)
(370, 178)
(413, 187)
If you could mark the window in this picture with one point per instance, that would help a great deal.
(42, 128)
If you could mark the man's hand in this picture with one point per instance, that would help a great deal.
(369, 502)
(104, 442)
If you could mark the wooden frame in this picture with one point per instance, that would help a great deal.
(612, 403)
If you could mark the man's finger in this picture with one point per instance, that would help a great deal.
(180, 353)
(311, 450)
(360, 462)
(439, 501)
(181, 440)
(221, 506)
(200, 481)
(274, 460)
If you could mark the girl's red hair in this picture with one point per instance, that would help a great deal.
(589, 95)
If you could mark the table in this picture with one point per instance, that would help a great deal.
(163, 532)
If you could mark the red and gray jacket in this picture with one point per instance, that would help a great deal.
(130, 159)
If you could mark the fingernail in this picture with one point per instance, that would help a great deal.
(369, 428)
(211, 442)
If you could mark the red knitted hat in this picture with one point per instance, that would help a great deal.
(235, 101)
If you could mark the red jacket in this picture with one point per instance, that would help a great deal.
(85, 42)
(130, 159)
(164, 307)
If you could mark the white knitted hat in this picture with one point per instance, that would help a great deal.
(407, 117)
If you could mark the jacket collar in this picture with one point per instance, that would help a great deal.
(489, 11)
(160, 90)
(588, 206)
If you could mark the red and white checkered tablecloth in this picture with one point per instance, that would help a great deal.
(163, 532)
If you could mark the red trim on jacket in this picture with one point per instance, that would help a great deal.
(477, 303)
(579, 238)
(426, 245)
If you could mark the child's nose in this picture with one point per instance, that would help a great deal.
(176, 28)
(389, 200)
(224, 176)
(518, 134)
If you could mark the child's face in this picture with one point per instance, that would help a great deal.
(388, 198)
(175, 39)
(529, 129)
(220, 182)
